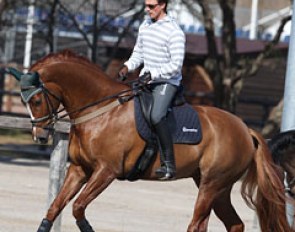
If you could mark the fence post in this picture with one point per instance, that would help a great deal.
(288, 120)
(57, 170)
(2, 81)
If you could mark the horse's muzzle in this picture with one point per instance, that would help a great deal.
(40, 135)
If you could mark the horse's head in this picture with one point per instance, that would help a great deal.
(42, 103)
(287, 162)
(282, 147)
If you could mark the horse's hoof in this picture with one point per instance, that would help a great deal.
(45, 226)
(84, 226)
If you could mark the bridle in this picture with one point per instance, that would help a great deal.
(32, 85)
(53, 113)
(289, 186)
(53, 116)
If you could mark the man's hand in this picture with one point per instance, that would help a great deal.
(145, 78)
(122, 75)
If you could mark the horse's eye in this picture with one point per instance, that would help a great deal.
(37, 102)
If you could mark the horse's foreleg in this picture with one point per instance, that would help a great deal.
(74, 181)
(99, 180)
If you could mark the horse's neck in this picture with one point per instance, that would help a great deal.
(80, 88)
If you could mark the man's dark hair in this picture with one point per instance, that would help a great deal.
(165, 2)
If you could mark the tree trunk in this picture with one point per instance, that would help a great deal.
(51, 26)
(229, 52)
(212, 63)
(95, 32)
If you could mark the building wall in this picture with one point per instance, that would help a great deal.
(265, 4)
(262, 92)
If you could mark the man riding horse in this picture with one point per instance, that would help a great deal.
(160, 48)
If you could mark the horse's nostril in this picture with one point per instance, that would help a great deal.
(42, 140)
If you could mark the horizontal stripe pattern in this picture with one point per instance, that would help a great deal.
(160, 48)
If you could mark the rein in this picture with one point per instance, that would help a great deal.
(53, 114)
(95, 113)
(118, 96)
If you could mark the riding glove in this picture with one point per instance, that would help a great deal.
(145, 78)
(122, 75)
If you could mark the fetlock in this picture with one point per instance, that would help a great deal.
(84, 225)
(45, 226)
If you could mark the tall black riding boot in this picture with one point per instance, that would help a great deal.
(167, 169)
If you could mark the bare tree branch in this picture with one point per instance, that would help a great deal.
(228, 32)
(51, 25)
(76, 24)
(135, 17)
(251, 68)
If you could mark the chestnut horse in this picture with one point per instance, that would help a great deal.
(106, 146)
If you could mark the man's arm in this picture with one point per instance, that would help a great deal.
(136, 58)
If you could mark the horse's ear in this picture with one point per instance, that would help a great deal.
(30, 79)
(14, 72)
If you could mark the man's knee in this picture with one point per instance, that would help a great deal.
(155, 119)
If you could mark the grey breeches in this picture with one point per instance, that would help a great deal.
(163, 95)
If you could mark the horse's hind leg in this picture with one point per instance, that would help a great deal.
(225, 211)
(99, 180)
(221, 204)
(203, 206)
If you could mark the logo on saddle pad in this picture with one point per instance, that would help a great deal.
(192, 130)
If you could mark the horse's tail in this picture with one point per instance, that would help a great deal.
(265, 179)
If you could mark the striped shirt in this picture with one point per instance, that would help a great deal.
(160, 47)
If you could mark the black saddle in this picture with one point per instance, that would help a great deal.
(183, 119)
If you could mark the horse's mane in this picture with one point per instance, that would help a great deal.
(62, 56)
(281, 143)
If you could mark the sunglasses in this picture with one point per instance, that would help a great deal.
(151, 6)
